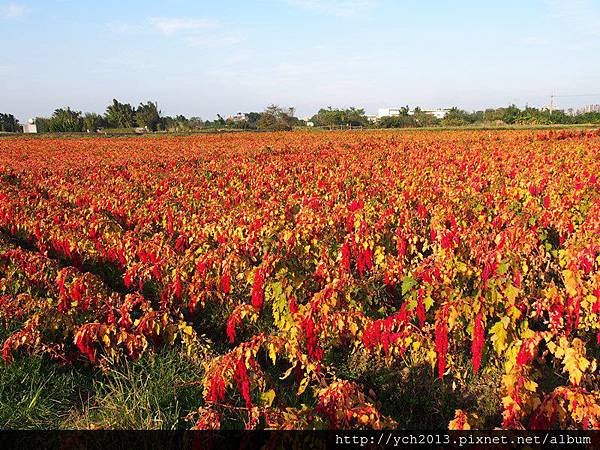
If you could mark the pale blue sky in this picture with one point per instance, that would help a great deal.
(203, 58)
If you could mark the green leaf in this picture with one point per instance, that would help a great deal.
(502, 268)
(281, 314)
(407, 284)
(412, 302)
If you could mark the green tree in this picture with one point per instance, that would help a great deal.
(328, 117)
(42, 124)
(456, 117)
(148, 116)
(195, 123)
(476, 117)
(181, 123)
(511, 114)
(65, 120)
(92, 122)
(120, 115)
(9, 123)
(219, 121)
(275, 118)
(252, 119)
(355, 117)
(590, 117)
(167, 123)
(493, 115)
(423, 119)
(559, 117)
(331, 117)
(399, 121)
(531, 116)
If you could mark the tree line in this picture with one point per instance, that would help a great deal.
(454, 117)
(117, 115)
(513, 115)
(123, 116)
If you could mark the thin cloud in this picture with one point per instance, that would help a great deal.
(6, 68)
(173, 25)
(534, 41)
(14, 10)
(189, 31)
(340, 8)
(212, 41)
(123, 28)
(582, 16)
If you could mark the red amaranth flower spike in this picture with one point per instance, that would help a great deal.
(312, 346)
(477, 343)
(243, 382)
(441, 341)
(177, 287)
(232, 323)
(346, 257)
(226, 282)
(258, 289)
(216, 391)
(421, 314)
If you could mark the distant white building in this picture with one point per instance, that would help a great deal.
(30, 127)
(385, 112)
(239, 117)
(589, 109)
(307, 121)
(438, 113)
(553, 108)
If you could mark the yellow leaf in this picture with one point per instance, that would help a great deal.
(575, 362)
(379, 256)
(460, 421)
(571, 283)
(272, 353)
(186, 329)
(303, 385)
(267, 397)
(499, 336)
(452, 317)
(530, 385)
(511, 292)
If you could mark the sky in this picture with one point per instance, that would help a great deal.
(201, 58)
